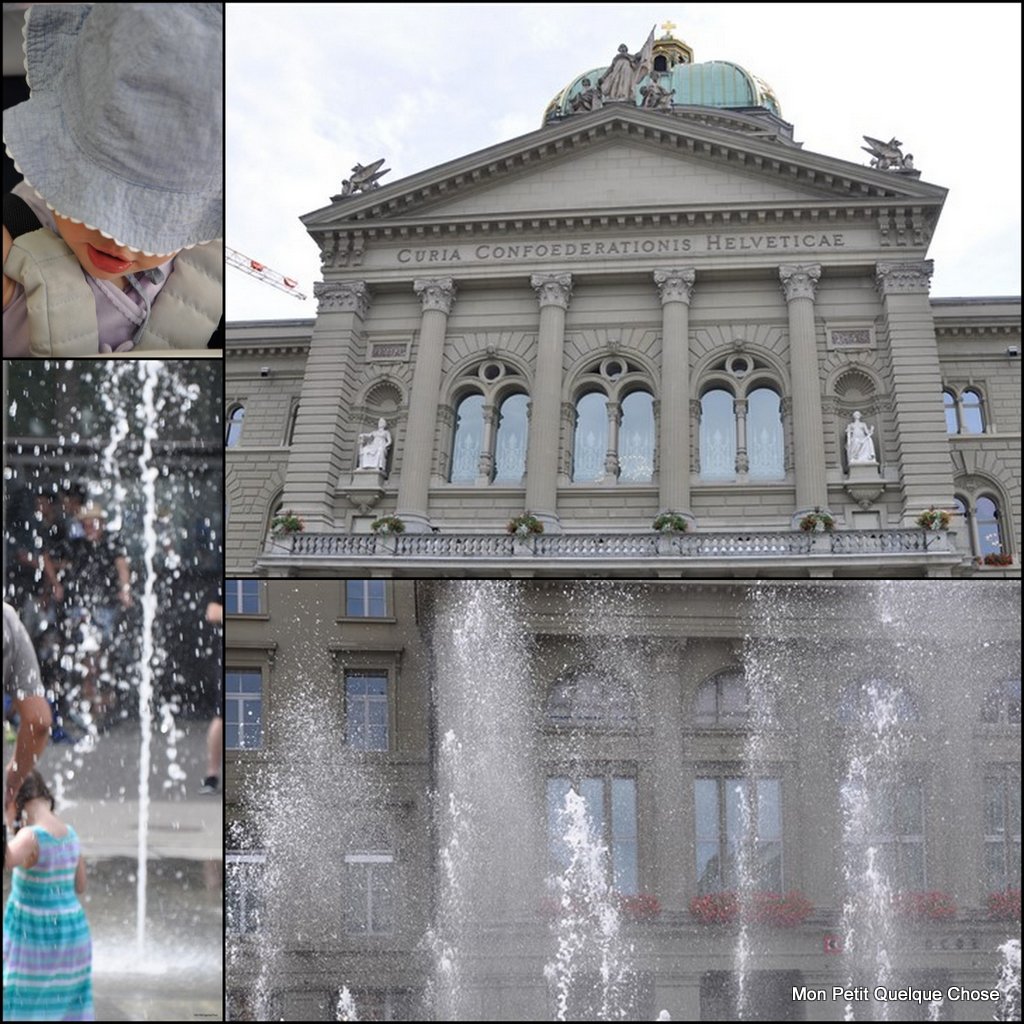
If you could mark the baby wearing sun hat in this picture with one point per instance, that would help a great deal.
(112, 241)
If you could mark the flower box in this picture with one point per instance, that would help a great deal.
(777, 910)
(924, 906)
(387, 525)
(933, 519)
(1004, 906)
(524, 526)
(817, 521)
(286, 522)
(670, 522)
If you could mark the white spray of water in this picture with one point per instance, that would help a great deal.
(346, 1006)
(148, 373)
(1009, 982)
(588, 930)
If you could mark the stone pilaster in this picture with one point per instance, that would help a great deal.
(922, 447)
(798, 285)
(553, 294)
(438, 297)
(315, 459)
(675, 287)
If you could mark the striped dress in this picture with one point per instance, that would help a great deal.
(47, 949)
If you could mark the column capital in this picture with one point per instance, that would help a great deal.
(343, 297)
(899, 277)
(675, 285)
(799, 280)
(436, 293)
(552, 289)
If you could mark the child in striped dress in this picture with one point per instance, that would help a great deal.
(47, 948)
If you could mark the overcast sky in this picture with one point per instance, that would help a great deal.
(314, 89)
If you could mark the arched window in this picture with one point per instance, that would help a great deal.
(591, 440)
(510, 445)
(234, 433)
(636, 438)
(717, 435)
(469, 438)
(722, 700)
(949, 406)
(972, 421)
(965, 412)
(990, 538)
(765, 445)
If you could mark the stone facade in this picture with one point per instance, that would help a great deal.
(664, 247)
(951, 648)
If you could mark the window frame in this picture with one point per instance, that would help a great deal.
(368, 701)
(231, 700)
(247, 862)
(721, 775)
(242, 585)
(716, 720)
(611, 837)
(235, 424)
(370, 893)
(1008, 776)
(384, 595)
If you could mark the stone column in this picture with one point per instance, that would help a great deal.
(553, 293)
(611, 455)
(742, 458)
(922, 446)
(438, 297)
(315, 460)
(675, 287)
(798, 285)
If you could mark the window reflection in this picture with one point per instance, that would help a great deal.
(764, 435)
(469, 437)
(510, 448)
(636, 438)
(717, 436)
(591, 440)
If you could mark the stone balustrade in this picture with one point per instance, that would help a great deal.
(465, 549)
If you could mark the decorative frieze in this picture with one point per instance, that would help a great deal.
(799, 280)
(903, 277)
(552, 289)
(343, 297)
(436, 293)
(675, 285)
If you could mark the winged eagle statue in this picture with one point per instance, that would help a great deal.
(888, 156)
(364, 178)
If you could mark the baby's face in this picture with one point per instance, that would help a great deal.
(101, 256)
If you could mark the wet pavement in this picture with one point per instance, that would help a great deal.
(178, 973)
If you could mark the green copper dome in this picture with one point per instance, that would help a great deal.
(676, 82)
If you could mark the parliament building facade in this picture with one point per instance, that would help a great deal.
(658, 309)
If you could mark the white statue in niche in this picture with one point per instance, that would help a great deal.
(373, 447)
(860, 446)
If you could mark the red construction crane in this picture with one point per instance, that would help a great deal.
(263, 273)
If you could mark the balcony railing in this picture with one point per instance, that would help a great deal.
(472, 548)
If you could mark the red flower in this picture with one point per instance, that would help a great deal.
(642, 907)
(770, 908)
(925, 906)
(1005, 905)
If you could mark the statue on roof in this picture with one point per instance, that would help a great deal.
(888, 156)
(588, 99)
(619, 82)
(655, 96)
(363, 179)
